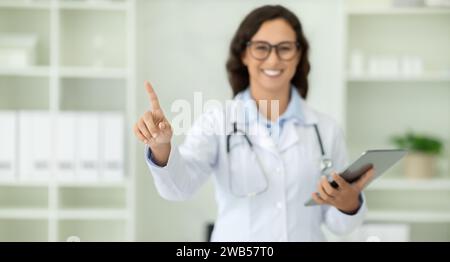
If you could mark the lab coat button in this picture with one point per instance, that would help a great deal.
(279, 205)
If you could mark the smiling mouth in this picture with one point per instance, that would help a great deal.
(272, 72)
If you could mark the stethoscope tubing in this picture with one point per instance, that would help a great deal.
(236, 130)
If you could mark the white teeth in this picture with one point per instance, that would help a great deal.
(272, 72)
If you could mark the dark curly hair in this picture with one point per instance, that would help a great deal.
(237, 72)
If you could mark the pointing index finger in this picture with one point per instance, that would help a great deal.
(152, 96)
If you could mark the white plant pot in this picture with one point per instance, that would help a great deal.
(419, 165)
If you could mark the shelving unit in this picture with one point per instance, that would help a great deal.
(409, 184)
(80, 72)
(364, 11)
(24, 214)
(24, 4)
(85, 62)
(428, 77)
(380, 106)
(409, 216)
(37, 71)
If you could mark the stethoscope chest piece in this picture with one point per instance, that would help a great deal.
(326, 165)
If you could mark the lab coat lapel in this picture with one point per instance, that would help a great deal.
(289, 136)
(246, 117)
(260, 137)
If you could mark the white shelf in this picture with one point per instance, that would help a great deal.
(93, 72)
(37, 71)
(409, 216)
(20, 183)
(410, 184)
(57, 73)
(24, 4)
(94, 5)
(384, 32)
(398, 11)
(66, 5)
(24, 213)
(428, 77)
(92, 214)
(101, 184)
(105, 184)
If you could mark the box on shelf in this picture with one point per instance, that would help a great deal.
(437, 3)
(95, 144)
(65, 146)
(407, 3)
(76, 146)
(383, 233)
(112, 144)
(88, 148)
(375, 232)
(17, 50)
(35, 136)
(8, 146)
(385, 65)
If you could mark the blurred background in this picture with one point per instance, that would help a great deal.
(71, 87)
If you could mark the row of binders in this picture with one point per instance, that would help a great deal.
(69, 146)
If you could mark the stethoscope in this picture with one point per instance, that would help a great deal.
(325, 163)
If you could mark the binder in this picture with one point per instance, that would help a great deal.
(25, 145)
(65, 146)
(35, 145)
(112, 143)
(8, 145)
(87, 147)
(42, 145)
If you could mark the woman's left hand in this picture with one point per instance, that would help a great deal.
(346, 196)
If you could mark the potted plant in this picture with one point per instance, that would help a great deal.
(422, 152)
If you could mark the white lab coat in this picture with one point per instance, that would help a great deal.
(292, 166)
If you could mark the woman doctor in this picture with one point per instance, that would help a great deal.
(267, 151)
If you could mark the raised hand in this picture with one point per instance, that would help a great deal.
(154, 129)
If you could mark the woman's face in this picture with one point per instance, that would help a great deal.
(272, 73)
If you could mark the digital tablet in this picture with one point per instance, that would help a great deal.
(381, 160)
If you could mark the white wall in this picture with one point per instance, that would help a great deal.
(182, 48)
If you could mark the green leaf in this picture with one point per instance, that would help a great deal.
(419, 143)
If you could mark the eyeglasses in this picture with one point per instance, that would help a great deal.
(261, 50)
